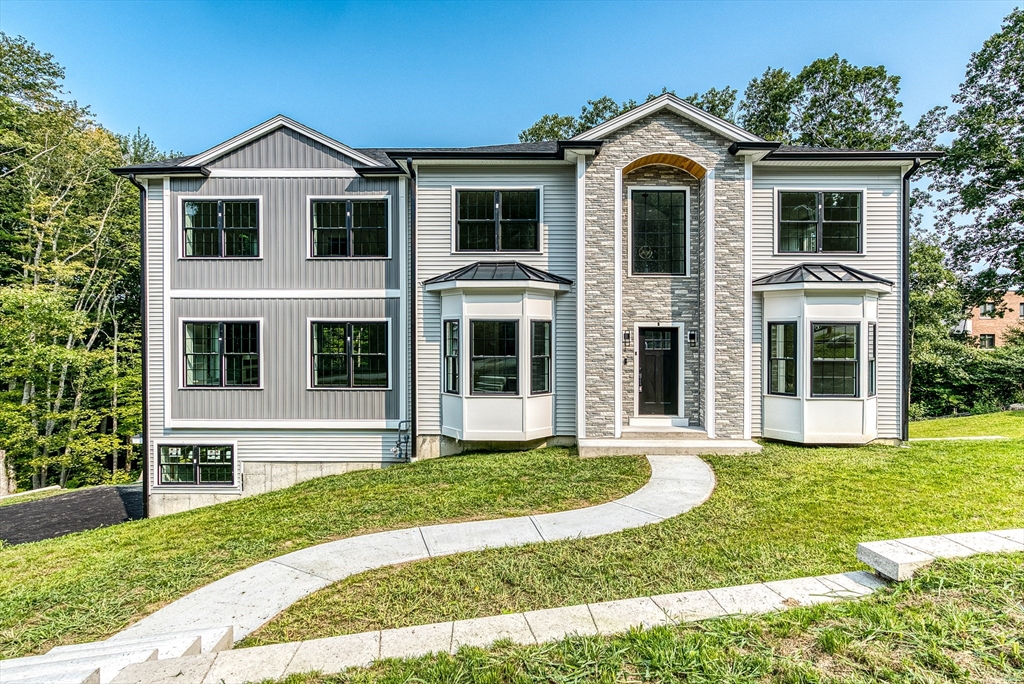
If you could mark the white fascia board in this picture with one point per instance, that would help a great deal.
(279, 121)
(833, 163)
(285, 424)
(285, 294)
(826, 287)
(519, 285)
(678, 106)
(283, 173)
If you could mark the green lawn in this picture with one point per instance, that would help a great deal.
(92, 584)
(787, 512)
(1007, 424)
(957, 622)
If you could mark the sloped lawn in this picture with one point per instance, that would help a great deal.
(787, 512)
(957, 622)
(93, 584)
(1006, 424)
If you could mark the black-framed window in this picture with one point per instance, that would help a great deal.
(221, 228)
(498, 221)
(349, 228)
(834, 359)
(197, 464)
(451, 357)
(818, 222)
(540, 357)
(222, 354)
(782, 360)
(349, 354)
(494, 357)
(987, 341)
(659, 232)
(872, 359)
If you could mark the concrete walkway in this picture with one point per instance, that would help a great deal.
(248, 599)
(336, 654)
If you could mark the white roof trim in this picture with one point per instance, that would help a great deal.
(519, 285)
(279, 121)
(846, 286)
(680, 107)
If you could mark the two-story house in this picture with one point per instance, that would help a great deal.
(664, 282)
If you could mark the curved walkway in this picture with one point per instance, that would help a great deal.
(248, 599)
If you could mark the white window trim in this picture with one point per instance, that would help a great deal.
(205, 440)
(529, 355)
(541, 226)
(460, 359)
(222, 198)
(182, 320)
(309, 354)
(629, 230)
(344, 198)
(824, 256)
(682, 342)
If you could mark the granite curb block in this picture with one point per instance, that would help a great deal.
(899, 559)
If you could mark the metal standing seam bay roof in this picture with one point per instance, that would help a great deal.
(499, 270)
(819, 273)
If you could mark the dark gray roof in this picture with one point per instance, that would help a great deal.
(819, 273)
(499, 270)
(544, 146)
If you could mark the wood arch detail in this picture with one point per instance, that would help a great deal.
(665, 159)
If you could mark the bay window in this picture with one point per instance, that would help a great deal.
(782, 358)
(494, 360)
(834, 359)
(540, 357)
(451, 357)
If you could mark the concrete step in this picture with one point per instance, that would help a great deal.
(666, 447)
(170, 646)
(652, 432)
(83, 676)
(109, 665)
(212, 639)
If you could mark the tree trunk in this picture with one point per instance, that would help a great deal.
(8, 481)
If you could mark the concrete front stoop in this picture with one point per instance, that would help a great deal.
(645, 442)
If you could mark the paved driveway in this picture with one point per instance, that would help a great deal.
(74, 511)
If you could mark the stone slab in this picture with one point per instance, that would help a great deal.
(852, 584)
(591, 522)
(212, 640)
(892, 559)
(1016, 536)
(334, 561)
(108, 665)
(748, 599)
(937, 546)
(251, 664)
(689, 606)
(443, 540)
(613, 617)
(986, 542)
(803, 591)
(167, 647)
(553, 624)
(335, 654)
(84, 676)
(485, 631)
(409, 642)
(188, 670)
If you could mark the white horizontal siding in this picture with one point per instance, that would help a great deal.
(434, 257)
(881, 257)
(155, 282)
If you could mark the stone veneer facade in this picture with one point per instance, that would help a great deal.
(676, 299)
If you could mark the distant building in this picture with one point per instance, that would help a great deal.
(989, 327)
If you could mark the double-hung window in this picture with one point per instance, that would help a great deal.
(222, 354)
(782, 358)
(222, 228)
(988, 309)
(197, 465)
(498, 221)
(494, 360)
(659, 232)
(872, 359)
(834, 359)
(540, 357)
(349, 228)
(451, 357)
(820, 222)
(349, 355)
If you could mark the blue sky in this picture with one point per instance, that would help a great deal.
(192, 74)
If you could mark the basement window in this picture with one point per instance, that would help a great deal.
(197, 465)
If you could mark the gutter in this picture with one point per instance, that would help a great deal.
(414, 290)
(905, 282)
(144, 344)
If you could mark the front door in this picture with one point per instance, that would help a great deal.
(659, 371)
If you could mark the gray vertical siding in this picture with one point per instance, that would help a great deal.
(882, 230)
(283, 363)
(283, 240)
(434, 256)
(284, 149)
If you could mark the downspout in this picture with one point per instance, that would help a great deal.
(905, 280)
(414, 291)
(144, 342)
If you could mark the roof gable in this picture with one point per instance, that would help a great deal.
(268, 127)
(680, 107)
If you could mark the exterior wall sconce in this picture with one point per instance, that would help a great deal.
(692, 337)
